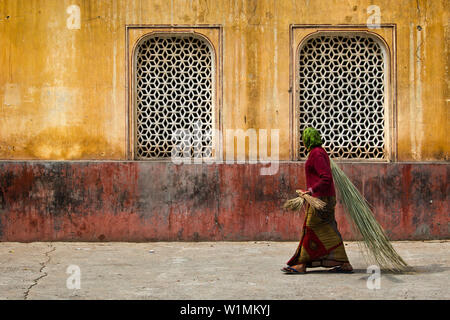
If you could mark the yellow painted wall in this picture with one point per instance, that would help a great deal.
(63, 91)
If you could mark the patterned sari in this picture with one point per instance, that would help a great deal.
(321, 239)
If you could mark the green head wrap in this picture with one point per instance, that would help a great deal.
(311, 138)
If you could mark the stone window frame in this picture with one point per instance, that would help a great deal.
(385, 35)
(134, 35)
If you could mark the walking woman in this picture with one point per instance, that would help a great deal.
(321, 243)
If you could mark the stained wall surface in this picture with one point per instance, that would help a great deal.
(145, 201)
(64, 94)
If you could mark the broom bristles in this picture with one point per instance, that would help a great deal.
(297, 203)
(294, 204)
(377, 245)
(313, 201)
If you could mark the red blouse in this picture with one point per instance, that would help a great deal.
(318, 173)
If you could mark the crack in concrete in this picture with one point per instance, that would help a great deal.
(43, 265)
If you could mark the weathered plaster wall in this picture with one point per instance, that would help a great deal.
(63, 91)
(144, 201)
(63, 96)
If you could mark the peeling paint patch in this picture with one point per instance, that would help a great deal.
(67, 142)
(423, 230)
(59, 102)
(12, 96)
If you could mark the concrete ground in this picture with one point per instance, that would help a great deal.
(208, 270)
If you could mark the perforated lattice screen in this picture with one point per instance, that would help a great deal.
(341, 93)
(174, 107)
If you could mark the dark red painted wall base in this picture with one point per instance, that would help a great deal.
(158, 201)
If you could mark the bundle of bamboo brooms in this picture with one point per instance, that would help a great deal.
(376, 249)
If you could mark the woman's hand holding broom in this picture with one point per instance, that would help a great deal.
(309, 191)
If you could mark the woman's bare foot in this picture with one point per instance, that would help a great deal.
(296, 269)
(347, 266)
(299, 267)
(330, 263)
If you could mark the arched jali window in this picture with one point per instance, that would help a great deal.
(341, 91)
(174, 96)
